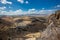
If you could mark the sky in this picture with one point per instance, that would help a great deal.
(18, 7)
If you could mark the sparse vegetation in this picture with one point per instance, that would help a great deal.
(28, 26)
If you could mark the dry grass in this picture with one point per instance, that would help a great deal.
(32, 35)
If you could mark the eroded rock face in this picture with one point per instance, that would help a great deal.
(4, 25)
(36, 27)
(57, 14)
(31, 28)
(55, 18)
(52, 31)
(31, 24)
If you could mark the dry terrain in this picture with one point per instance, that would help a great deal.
(30, 27)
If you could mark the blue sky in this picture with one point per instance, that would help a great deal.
(28, 6)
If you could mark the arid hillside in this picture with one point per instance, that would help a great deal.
(41, 28)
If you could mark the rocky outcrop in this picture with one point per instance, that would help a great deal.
(4, 25)
(36, 28)
(52, 31)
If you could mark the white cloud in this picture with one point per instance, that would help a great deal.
(26, 2)
(2, 8)
(57, 6)
(30, 11)
(46, 11)
(43, 8)
(9, 6)
(5, 2)
(17, 12)
(21, 1)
